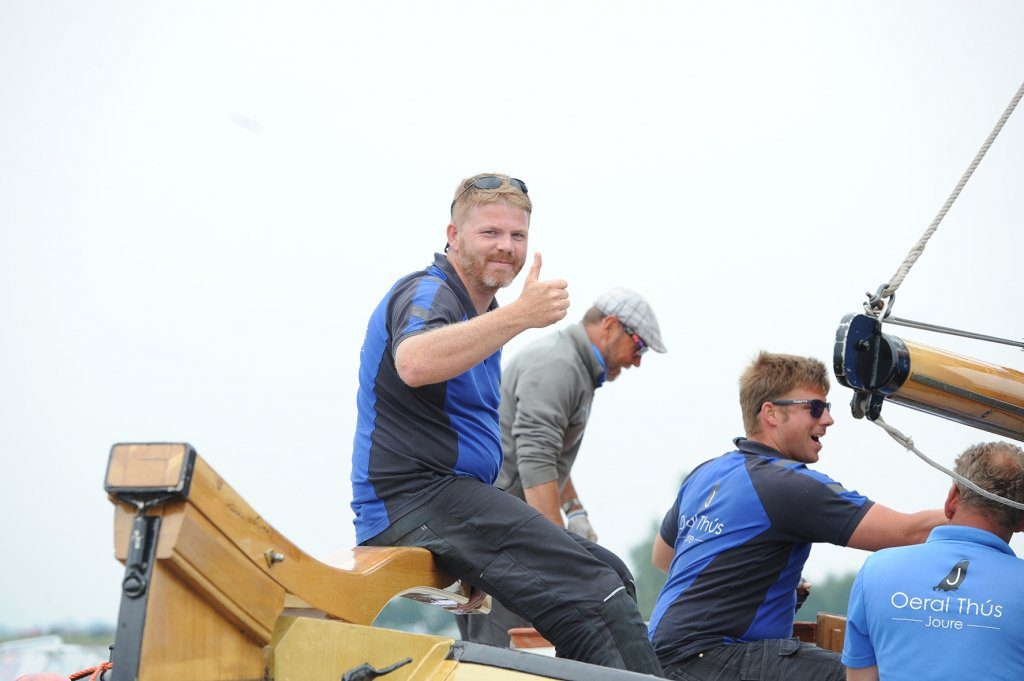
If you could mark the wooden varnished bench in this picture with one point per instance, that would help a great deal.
(830, 632)
(207, 579)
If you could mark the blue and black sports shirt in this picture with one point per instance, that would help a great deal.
(412, 441)
(742, 527)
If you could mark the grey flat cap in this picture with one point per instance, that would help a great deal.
(633, 310)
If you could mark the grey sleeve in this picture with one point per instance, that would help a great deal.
(546, 395)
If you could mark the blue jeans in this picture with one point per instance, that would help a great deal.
(498, 543)
(784, 659)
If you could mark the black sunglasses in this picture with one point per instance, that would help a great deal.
(818, 407)
(491, 182)
(639, 345)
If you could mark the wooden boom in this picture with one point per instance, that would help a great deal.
(934, 381)
(208, 581)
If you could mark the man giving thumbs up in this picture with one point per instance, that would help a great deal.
(428, 447)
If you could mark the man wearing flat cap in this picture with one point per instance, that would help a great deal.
(546, 393)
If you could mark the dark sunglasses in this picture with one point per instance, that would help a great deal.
(818, 407)
(638, 343)
(491, 182)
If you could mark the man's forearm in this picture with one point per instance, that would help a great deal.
(442, 354)
(544, 498)
(568, 492)
(883, 527)
(923, 522)
(862, 674)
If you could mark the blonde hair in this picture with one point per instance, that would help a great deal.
(770, 376)
(467, 196)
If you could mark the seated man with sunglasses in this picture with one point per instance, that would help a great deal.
(736, 539)
(428, 445)
(546, 393)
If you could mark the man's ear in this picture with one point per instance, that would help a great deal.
(769, 415)
(952, 501)
(607, 330)
(452, 231)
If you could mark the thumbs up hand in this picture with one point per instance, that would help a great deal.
(542, 303)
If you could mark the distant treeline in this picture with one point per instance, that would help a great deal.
(96, 634)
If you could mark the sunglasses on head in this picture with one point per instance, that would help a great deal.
(818, 407)
(491, 182)
(638, 343)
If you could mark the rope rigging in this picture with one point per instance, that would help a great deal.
(879, 306)
(875, 302)
(908, 443)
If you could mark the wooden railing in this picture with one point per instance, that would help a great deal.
(207, 579)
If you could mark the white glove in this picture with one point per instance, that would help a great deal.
(579, 524)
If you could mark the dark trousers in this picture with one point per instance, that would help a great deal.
(498, 543)
(784, 659)
(492, 629)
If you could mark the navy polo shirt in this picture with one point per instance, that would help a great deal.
(410, 442)
(742, 527)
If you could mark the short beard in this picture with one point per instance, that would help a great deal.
(475, 268)
(491, 281)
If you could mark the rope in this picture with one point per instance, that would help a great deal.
(918, 248)
(94, 671)
(908, 443)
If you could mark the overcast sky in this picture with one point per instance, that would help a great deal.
(201, 203)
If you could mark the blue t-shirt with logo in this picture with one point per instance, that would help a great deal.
(951, 608)
(410, 442)
(742, 528)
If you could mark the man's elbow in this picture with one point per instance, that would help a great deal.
(412, 375)
(410, 368)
